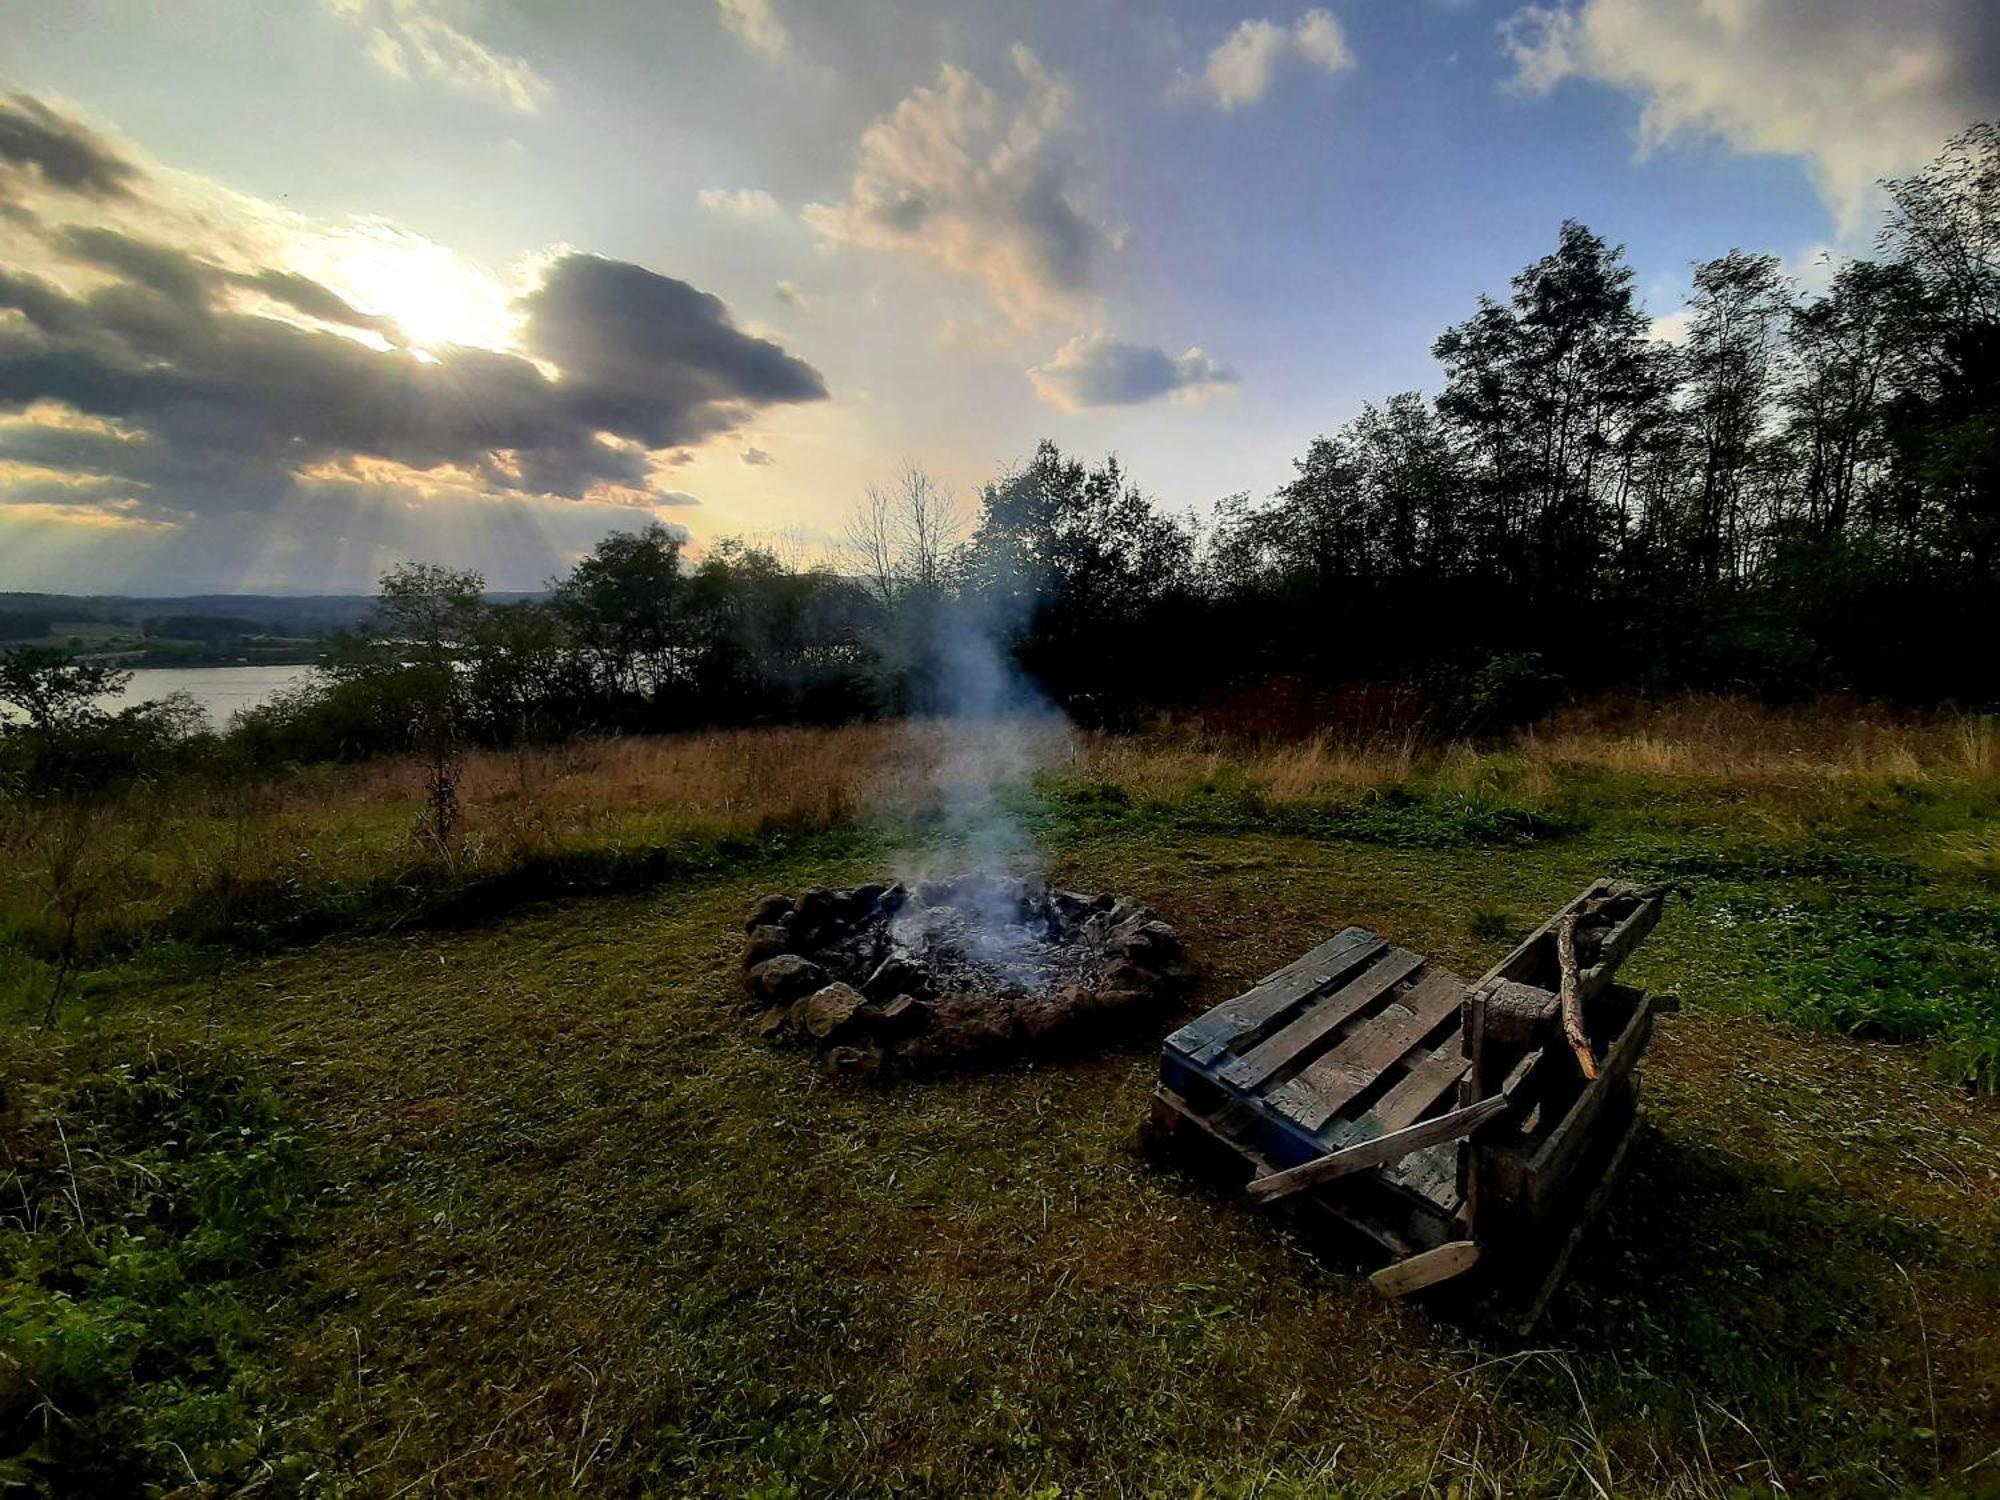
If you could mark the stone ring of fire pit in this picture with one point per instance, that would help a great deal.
(947, 972)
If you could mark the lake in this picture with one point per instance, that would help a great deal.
(219, 690)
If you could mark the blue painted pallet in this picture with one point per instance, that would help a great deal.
(1354, 1040)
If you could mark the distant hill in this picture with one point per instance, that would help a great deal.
(187, 629)
(295, 615)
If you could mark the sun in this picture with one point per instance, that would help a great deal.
(435, 297)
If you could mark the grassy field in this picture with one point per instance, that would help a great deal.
(351, 1171)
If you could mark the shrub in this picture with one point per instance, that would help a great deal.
(150, 1195)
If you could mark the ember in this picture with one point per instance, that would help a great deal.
(916, 978)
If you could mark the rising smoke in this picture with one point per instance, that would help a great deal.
(990, 729)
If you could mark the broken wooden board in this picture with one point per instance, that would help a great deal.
(1427, 1268)
(1383, 1149)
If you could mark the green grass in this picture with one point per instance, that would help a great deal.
(502, 1193)
(150, 1199)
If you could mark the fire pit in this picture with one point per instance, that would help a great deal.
(915, 978)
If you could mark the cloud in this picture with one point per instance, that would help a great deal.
(43, 149)
(1321, 42)
(755, 25)
(1856, 89)
(1673, 327)
(177, 384)
(757, 457)
(411, 39)
(1240, 70)
(1098, 370)
(793, 295)
(651, 358)
(738, 203)
(960, 177)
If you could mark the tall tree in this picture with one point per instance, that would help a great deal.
(1944, 225)
(1553, 393)
(1073, 561)
(900, 538)
(623, 605)
(1727, 370)
(413, 651)
(1845, 351)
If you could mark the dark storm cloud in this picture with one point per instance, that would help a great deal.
(46, 306)
(38, 143)
(229, 407)
(183, 279)
(651, 358)
(174, 275)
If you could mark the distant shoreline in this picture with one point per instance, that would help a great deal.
(147, 659)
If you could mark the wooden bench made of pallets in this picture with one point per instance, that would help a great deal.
(1451, 1124)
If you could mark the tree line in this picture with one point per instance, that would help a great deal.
(1801, 492)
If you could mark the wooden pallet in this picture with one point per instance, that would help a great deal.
(1365, 1084)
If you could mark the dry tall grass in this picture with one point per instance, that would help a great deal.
(348, 825)
(1710, 741)
(737, 780)
(1742, 741)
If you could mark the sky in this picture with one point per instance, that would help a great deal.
(292, 291)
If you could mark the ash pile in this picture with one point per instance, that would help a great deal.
(939, 974)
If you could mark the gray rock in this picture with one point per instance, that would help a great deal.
(863, 1060)
(896, 975)
(786, 977)
(764, 942)
(769, 912)
(831, 1011)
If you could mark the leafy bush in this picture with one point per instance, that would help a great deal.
(1510, 690)
(1900, 970)
(320, 720)
(150, 1197)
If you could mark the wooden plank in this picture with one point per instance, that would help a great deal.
(1320, 1022)
(1453, 1258)
(1617, 947)
(1429, 1081)
(1391, 1147)
(1236, 1021)
(1600, 1193)
(1520, 964)
(1431, 1173)
(1414, 1095)
(1329, 1084)
(1555, 1155)
(1473, 1084)
(1351, 1217)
